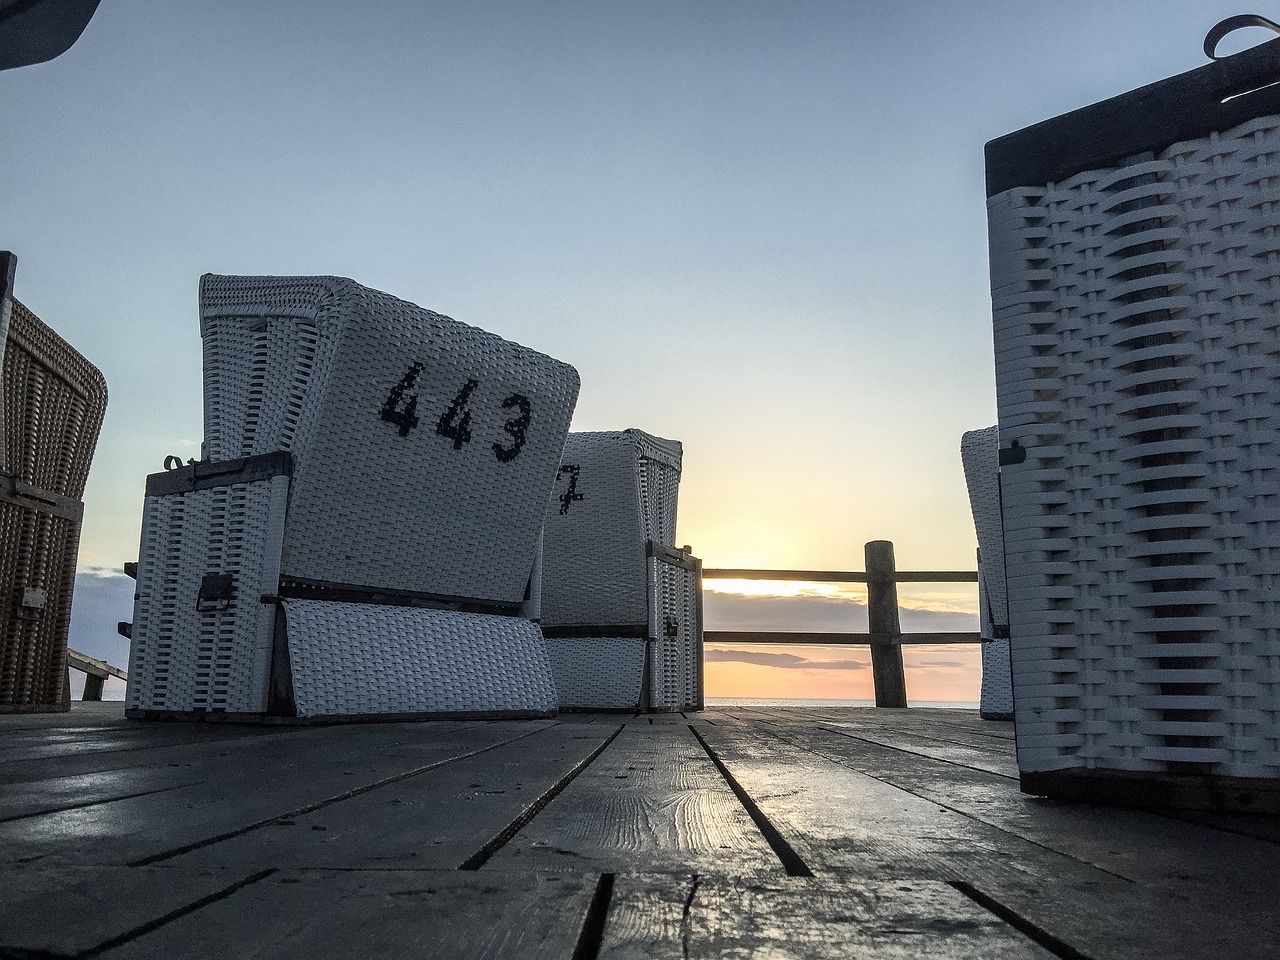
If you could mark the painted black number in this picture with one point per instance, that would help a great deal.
(516, 428)
(405, 418)
(455, 423)
(571, 493)
(401, 409)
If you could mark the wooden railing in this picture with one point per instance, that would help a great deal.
(885, 637)
(95, 673)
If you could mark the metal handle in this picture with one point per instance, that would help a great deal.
(1231, 25)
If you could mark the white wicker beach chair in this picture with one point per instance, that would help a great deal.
(1135, 264)
(621, 607)
(980, 453)
(377, 473)
(52, 401)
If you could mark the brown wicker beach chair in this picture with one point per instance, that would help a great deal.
(52, 402)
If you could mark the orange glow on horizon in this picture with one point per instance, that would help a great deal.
(729, 679)
(942, 597)
(948, 673)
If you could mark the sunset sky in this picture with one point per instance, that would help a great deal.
(754, 227)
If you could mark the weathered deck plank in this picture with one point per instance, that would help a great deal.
(940, 820)
(598, 835)
(67, 910)
(980, 756)
(239, 788)
(441, 818)
(838, 817)
(99, 728)
(1141, 846)
(302, 915)
(76, 779)
(652, 801)
(811, 919)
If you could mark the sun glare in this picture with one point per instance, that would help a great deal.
(788, 588)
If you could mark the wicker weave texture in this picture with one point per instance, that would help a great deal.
(995, 699)
(598, 673)
(39, 554)
(615, 492)
(360, 659)
(608, 673)
(980, 454)
(423, 448)
(1136, 323)
(54, 401)
(675, 668)
(185, 659)
(658, 464)
(265, 358)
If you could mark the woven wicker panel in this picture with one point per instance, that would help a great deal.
(1136, 324)
(598, 673)
(269, 344)
(359, 659)
(980, 453)
(39, 554)
(658, 475)
(615, 492)
(608, 672)
(423, 448)
(675, 669)
(183, 659)
(54, 401)
(996, 697)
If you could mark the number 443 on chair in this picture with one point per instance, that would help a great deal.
(401, 410)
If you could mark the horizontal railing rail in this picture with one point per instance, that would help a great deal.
(826, 639)
(885, 638)
(839, 576)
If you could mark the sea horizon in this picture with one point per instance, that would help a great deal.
(834, 702)
(118, 696)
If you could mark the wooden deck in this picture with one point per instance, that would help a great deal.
(747, 832)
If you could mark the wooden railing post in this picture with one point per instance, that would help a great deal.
(886, 633)
(92, 687)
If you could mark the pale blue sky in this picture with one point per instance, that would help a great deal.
(755, 227)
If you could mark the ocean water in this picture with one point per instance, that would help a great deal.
(799, 702)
